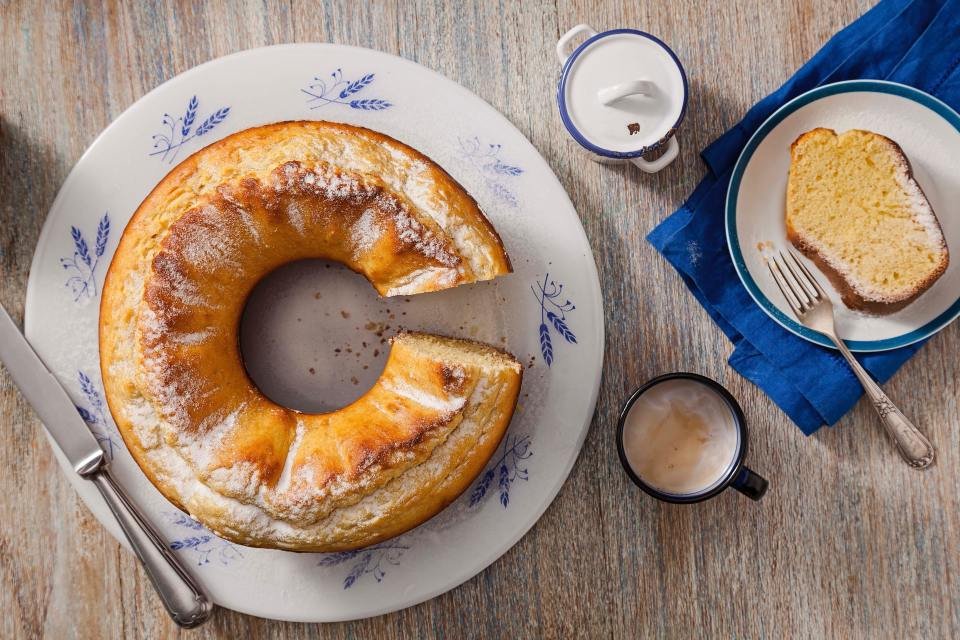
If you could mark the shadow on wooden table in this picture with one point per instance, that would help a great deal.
(709, 114)
(26, 166)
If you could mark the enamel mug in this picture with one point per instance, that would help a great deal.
(622, 95)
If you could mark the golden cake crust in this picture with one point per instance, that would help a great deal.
(255, 472)
(851, 291)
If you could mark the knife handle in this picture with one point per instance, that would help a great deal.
(184, 598)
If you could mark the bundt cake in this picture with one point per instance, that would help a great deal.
(854, 208)
(255, 472)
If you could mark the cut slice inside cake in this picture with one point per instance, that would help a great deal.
(854, 208)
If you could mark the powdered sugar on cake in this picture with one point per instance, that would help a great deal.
(214, 445)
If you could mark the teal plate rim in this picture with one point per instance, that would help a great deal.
(730, 222)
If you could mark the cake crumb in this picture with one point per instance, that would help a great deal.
(345, 314)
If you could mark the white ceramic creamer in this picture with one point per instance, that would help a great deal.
(622, 94)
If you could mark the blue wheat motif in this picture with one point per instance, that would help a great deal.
(561, 327)
(189, 116)
(371, 560)
(82, 265)
(187, 522)
(189, 543)
(179, 131)
(337, 90)
(201, 542)
(480, 489)
(546, 345)
(94, 415)
(370, 104)
(356, 85)
(552, 313)
(506, 468)
(207, 125)
(506, 169)
(486, 158)
(375, 560)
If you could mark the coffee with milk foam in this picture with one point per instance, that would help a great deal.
(680, 437)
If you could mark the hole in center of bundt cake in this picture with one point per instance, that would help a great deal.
(315, 335)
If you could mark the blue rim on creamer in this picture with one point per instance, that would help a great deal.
(578, 136)
(849, 86)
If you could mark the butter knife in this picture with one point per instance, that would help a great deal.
(185, 600)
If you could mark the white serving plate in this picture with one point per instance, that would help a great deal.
(929, 133)
(554, 272)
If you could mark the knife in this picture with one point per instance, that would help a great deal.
(185, 600)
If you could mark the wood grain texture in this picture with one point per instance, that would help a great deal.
(848, 543)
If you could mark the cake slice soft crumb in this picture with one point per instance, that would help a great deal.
(854, 208)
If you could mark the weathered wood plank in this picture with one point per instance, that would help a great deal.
(848, 543)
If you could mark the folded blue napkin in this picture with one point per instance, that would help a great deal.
(913, 42)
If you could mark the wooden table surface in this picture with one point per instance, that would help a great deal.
(848, 543)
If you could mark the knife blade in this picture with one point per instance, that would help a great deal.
(184, 598)
(48, 398)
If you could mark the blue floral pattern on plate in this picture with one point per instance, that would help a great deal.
(95, 416)
(553, 315)
(507, 468)
(496, 173)
(338, 90)
(374, 560)
(180, 130)
(510, 180)
(370, 560)
(82, 265)
(198, 540)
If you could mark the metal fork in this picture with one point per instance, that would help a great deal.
(815, 311)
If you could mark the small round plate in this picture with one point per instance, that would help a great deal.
(549, 313)
(929, 133)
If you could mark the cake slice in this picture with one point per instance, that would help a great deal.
(854, 208)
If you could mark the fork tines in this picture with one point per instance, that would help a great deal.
(795, 281)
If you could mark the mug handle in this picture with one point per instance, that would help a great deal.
(652, 166)
(565, 39)
(750, 484)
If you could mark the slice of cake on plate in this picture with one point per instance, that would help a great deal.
(854, 208)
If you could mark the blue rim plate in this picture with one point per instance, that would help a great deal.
(913, 331)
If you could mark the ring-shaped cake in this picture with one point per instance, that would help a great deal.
(253, 471)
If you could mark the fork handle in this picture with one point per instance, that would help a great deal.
(912, 445)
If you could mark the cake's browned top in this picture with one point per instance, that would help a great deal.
(256, 472)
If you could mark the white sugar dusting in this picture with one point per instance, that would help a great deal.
(920, 208)
(208, 245)
(237, 496)
(365, 232)
(284, 482)
(415, 394)
(296, 216)
(191, 339)
(240, 479)
(145, 422)
(304, 520)
(211, 438)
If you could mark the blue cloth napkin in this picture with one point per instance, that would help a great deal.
(913, 42)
